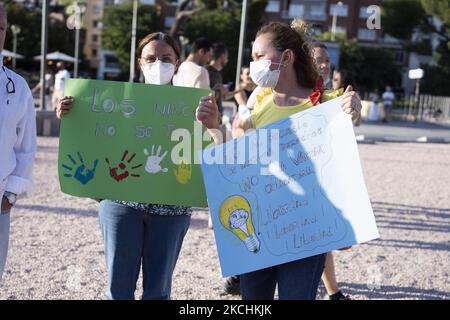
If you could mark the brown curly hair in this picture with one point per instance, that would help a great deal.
(296, 38)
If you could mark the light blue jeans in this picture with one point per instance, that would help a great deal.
(4, 239)
(133, 238)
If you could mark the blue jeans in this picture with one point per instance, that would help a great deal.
(131, 237)
(297, 280)
(4, 239)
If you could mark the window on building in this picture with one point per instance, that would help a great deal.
(97, 24)
(94, 53)
(339, 11)
(367, 34)
(399, 57)
(97, 9)
(95, 38)
(317, 10)
(169, 21)
(296, 10)
(363, 13)
(342, 30)
(273, 6)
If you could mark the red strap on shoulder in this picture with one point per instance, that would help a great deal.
(317, 92)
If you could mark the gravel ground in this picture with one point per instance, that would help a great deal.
(56, 249)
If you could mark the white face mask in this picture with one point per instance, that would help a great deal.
(158, 72)
(262, 75)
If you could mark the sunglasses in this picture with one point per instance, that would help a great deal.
(10, 87)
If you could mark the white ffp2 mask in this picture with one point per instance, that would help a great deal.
(158, 72)
(262, 75)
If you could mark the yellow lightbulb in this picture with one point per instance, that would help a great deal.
(235, 215)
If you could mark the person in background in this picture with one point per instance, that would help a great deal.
(322, 58)
(338, 80)
(374, 97)
(17, 142)
(388, 102)
(61, 75)
(247, 86)
(242, 100)
(192, 72)
(143, 235)
(218, 62)
(48, 91)
(232, 285)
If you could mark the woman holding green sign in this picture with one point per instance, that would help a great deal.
(284, 69)
(138, 234)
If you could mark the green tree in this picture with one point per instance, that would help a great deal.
(116, 34)
(60, 38)
(378, 69)
(436, 81)
(365, 68)
(441, 10)
(28, 40)
(401, 17)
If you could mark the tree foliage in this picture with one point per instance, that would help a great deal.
(365, 68)
(401, 17)
(220, 25)
(60, 38)
(116, 33)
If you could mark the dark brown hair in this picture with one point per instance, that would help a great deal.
(320, 45)
(159, 36)
(295, 38)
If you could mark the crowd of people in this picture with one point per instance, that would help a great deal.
(289, 73)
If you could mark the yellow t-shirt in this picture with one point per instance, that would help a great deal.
(267, 112)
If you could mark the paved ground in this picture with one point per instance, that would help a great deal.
(56, 250)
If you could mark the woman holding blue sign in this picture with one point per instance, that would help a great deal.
(140, 234)
(284, 69)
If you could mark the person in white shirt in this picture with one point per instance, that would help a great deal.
(60, 77)
(388, 101)
(48, 80)
(192, 72)
(17, 142)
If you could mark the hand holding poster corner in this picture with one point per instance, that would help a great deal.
(116, 143)
(309, 198)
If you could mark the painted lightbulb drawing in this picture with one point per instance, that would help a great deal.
(235, 215)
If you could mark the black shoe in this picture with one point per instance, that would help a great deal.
(339, 296)
(232, 285)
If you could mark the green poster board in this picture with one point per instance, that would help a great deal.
(116, 143)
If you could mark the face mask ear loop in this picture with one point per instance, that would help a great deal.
(281, 60)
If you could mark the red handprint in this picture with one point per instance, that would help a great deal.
(120, 172)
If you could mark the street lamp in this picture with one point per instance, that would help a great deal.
(15, 31)
(333, 24)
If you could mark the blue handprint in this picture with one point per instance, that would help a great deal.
(81, 174)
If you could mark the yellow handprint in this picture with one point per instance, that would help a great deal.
(183, 173)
